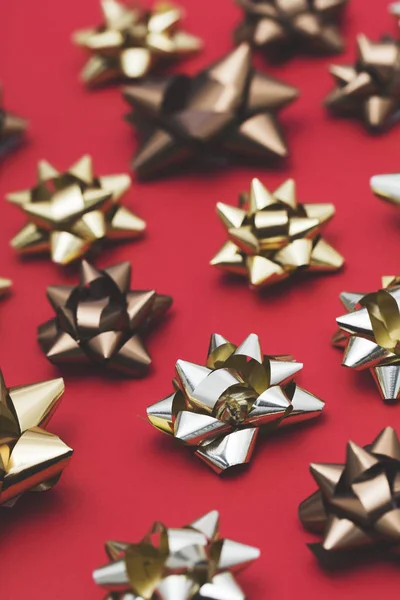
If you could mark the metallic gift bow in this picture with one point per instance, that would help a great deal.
(192, 562)
(133, 42)
(282, 27)
(102, 321)
(73, 212)
(370, 335)
(272, 236)
(220, 409)
(357, 506)
(31, 458)
(387, 187)
(227, 109)
(369, 90)
(12, 128)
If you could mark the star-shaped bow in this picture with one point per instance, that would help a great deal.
(285, 27)
(133, 42)
(71, 213)
(370, 335)
(220, 409)
(12, 128)
(31, 459)
(357, 506)
(102, 321)
(227, 109)
(273, 236)
(192, 562)
(369, 89)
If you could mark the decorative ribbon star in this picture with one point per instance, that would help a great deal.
(12, 128)
(70, 213)
(369, 89)
(192, 562)
(272, 236)
(370, 335)
(102, 321)
(229, 108)
(285, 27)
(220, 409)
(31, 459)
(357, 506)
(133, 42)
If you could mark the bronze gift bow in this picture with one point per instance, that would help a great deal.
(220, 409)
(73, 212)
(370, 335)
(191, 562)
(357, 506)
(133, 42)
(102, 321)
(273, 236)
(369, 89)
(285, 27)
(227, 109)
(31, 458)
(12, 128)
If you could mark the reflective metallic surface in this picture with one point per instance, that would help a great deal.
(5, 286)
(12, 128)
(387, 187)
(286, 27)
(31, 459)
(133, 42)
(102, 321)
(357, 506)
(177, 564)
(272, 236)
(369, 89)
(222, 408)
(370, 335)
(73, 212)
(227, 110)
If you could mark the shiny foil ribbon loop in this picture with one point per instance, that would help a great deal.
(12, 128)
(188, 563)
(272, 236)
(227, 110)
(102, 321)
(370, 335)
(220, 409)
(31, 458)
(357, 506)
(133, 42)
(369, 89)
(71, 213)
(285, 28)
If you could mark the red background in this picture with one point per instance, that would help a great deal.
(124, 474)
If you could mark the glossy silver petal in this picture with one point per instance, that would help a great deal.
(233, 449)
(387, 378)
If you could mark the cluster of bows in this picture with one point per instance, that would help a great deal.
(220, 409)
(272, 236)
(31, 458)
(102, 321)
(357, 506)
(132, 41)
(71, 213)
(192, 562)
(370, 335)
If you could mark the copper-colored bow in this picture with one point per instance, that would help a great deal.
(369, 89)
(227, 109)
(31, 458)
(357, 506)
(71, 213)
(132, 42)
(370, 335)
(102, 321)
(285, 27)
(220, 409)
(272, 236)
(177, 564)
(12, 128)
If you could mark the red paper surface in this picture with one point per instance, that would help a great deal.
(124, 474)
